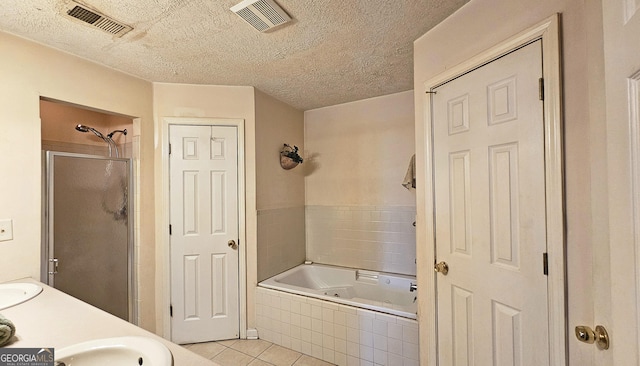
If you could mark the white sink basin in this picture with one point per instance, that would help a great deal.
(115, 351)
(16, 293)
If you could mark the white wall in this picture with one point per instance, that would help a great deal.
(358, 153)
(29, 71)
(483, 23)
(358, 214)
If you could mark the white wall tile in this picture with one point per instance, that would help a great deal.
(328, 342)
(295, 319)
(307, 348)
(351, 227)
(340, 359)
(328, 328)
(353, 349)
(316, 312)
(296, 344)
(353, 361)
(395, 360)
(380, 357)
(305, 335)
(366, 353)
(410, 334)
(316, 339)
(394, 346)
(337, 334)
(380, 342)
(340, 345)
(295, 332)
(316, 325)
(316, 351)
(380, 327)
(328, 355)
(410, 350)
(340, 331)
(395, 331)
(366, 338)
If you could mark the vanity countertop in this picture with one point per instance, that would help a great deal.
(55, 319)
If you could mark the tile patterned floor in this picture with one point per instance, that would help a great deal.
(240, 352)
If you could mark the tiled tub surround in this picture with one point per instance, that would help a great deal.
(281, 237)
(340, 334)
(378, 238)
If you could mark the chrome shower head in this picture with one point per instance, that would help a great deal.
(83, 128)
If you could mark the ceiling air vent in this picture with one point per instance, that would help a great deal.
(96, 19)
(261, 14)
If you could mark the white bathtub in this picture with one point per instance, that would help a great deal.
(377, 291)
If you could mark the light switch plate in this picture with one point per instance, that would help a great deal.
(6, 230)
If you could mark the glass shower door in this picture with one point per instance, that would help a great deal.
(89, 230)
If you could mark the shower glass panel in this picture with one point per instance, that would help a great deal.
(89, 230)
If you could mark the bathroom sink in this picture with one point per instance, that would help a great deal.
(115, 351)
(16, 293)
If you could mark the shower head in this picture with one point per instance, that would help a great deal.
(83, 128)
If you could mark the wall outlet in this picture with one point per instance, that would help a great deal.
(6, 230)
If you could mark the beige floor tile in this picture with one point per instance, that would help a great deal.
(279, 356)
(252, 347)
(206, 350)
(228, 342)
(258, 362)
(310, 361)
(231, 357)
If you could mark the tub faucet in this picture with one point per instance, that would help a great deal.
(413, 287)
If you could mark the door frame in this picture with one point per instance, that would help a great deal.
(165, 239)
(549, 32)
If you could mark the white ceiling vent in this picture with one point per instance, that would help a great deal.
(96, 19)
(261, 14)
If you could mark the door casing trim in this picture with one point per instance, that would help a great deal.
(549, 32)
(165, 259)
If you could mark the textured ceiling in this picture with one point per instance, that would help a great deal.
(334, 51)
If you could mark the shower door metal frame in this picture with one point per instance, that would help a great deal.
(48, 243)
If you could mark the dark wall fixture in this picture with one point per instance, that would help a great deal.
(289, 157)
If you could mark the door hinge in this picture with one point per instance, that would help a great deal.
(541, 88)
(169, 229)
(545, 264)
(53, 266)
(171, 311)
(169, 149)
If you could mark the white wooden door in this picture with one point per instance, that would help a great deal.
(204, 218)
(617, 262)
(489, 189)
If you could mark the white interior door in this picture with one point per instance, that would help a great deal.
(489, 184)
(204, 219)
(617, 262)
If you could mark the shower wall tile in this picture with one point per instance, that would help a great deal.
(281, 240)
(378, 238)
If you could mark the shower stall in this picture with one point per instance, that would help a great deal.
(88, 229)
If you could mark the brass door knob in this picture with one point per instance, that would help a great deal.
(232, 244)
(600, 336)
(441, 267)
